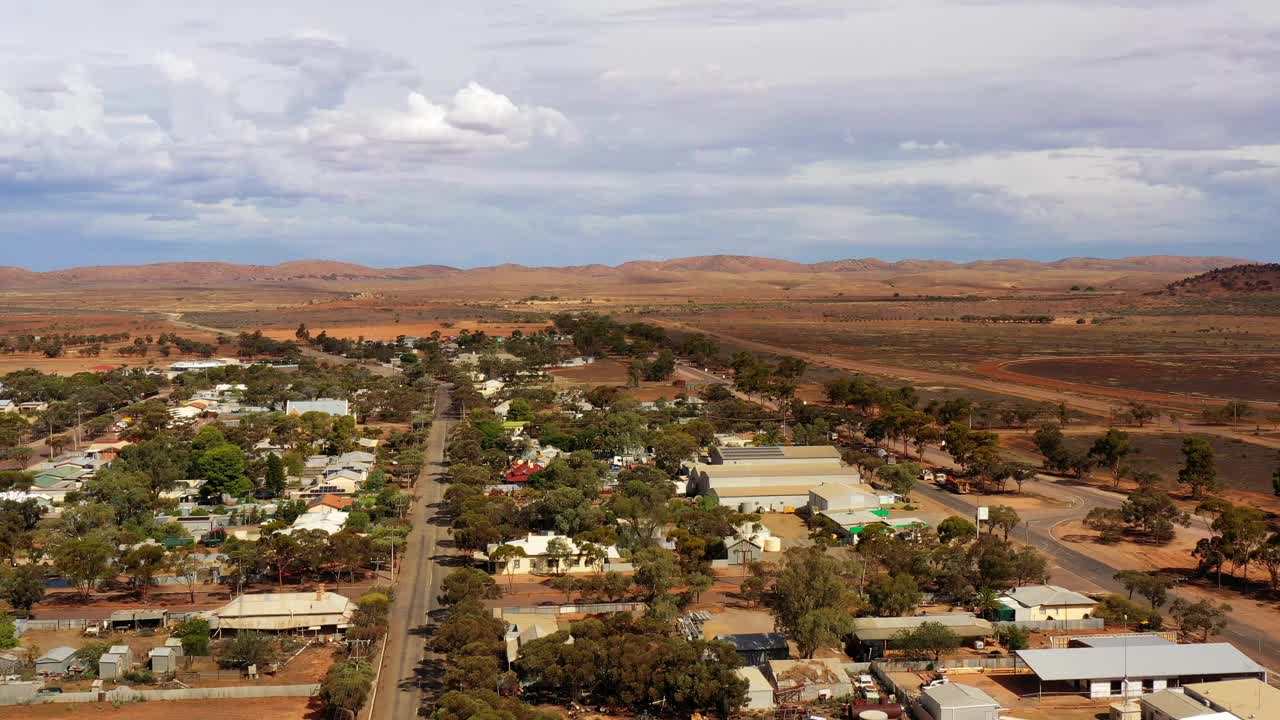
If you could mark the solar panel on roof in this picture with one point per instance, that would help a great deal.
(745, 453)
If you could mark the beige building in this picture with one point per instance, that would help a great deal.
(1047, 602)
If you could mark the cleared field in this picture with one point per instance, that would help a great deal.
(1241, 465)
(1250, 378)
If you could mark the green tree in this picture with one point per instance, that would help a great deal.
(657, 571)
(194, 633)
(956, 528)
(1003, 517)
(505, 555)
(245, 649)
(83, 560)
(821, 628)
(1110, 450)
(22, 587)
(901, 477)
(1198, 621)
(346, 686)
(671, 447)
(1014, 637)
(1199, 471)
(275, 479)
(141, 565)
(1153, 513)
(929, 639)
(8, 632)
(894, 596)
(467, 584)
(223, 468)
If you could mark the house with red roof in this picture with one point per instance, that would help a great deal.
(518, 474)
(332, 501)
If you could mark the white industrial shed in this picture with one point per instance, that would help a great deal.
(1119, 671)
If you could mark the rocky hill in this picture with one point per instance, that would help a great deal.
(1248, 278)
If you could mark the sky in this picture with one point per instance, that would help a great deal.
(563, 132)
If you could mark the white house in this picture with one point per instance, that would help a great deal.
(328, 522)
(328, 406)
(8, 406)
(537, 559)
(489, 388)
(1048, 602)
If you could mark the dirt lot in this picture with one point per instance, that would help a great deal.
(600, 372)
(1241, 466)
(1251, 378)
(238, 709)
(732, 621)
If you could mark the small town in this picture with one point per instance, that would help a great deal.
(640, 360)
(592, 518)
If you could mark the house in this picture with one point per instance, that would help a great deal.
(32, 407)
(115, 662)
(1045, 602)
(809, 680)
(310, 613)
(872, 636)
(328, 406)
(502, 408)
(198, 525)
(164, 659)
(57, 661)
(758, 648)
(332, 502)
(328, 522)
(759, 690)
(1102, 672)
(536, 558)
(185, 414)
(8, 406)
(525, 628)
(489, 388)
(519, 473)
(1250, 698)
(343, 482)
(51, 476)
(956, 701)
(368, 443)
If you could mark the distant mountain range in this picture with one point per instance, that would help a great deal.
(312, 271)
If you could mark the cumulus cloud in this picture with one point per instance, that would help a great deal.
(913, 146)
(821, 127)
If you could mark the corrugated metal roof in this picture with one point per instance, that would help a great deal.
(956, 695)
(1031, 596)
(1122, 641)
(963, 624)
(1153, 661)
(285, 611)
(755, 641)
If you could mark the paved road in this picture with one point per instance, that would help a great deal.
(398, 694)
(1260, 642)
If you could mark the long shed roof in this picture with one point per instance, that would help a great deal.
(1153, 661)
